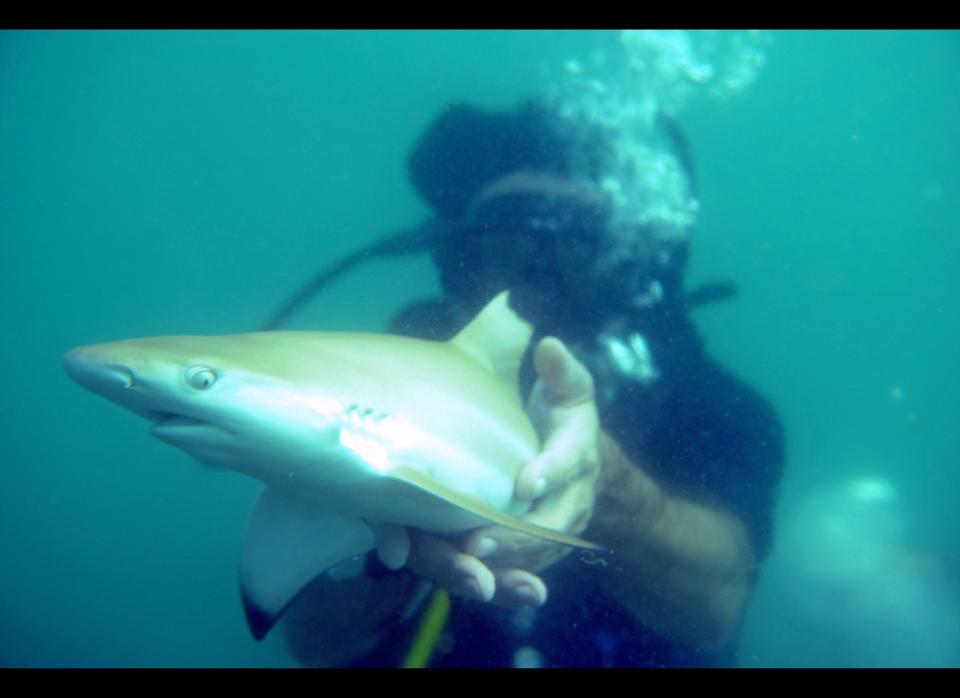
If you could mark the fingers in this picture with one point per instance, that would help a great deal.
(500, 549)
(463, 575)
(515, 587)
(393, 544)
(519, 589)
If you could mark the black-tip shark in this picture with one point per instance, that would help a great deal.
(347, 430)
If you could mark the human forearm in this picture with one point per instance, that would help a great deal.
(683, 568)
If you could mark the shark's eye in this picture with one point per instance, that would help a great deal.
(200, 377)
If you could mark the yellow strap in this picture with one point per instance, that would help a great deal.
(428, 634)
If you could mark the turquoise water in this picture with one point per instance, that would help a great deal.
(184, 182)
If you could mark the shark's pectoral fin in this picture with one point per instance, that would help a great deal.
(475, 505)
(290, 541)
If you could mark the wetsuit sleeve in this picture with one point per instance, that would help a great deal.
(724, 444)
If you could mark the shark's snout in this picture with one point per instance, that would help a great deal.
(114, 371)
(96, 372)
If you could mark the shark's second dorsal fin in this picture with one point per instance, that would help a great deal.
(497, 337)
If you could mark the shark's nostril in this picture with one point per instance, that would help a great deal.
(123, 376)
(90, 368)
(128, 378)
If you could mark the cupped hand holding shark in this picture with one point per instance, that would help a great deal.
(496, 564)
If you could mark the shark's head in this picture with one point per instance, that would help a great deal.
(224, 400)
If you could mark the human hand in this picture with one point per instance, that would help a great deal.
(497, 564)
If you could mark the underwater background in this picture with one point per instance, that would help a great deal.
(185, 182)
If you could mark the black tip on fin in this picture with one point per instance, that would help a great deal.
(259, 620)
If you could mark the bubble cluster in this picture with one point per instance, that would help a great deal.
(626, 91)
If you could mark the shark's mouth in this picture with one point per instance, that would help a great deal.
(173, 427)
(171, 419)
(204, 440)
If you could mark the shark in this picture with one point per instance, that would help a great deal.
(346, 430)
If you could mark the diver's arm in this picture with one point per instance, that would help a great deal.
(683, 568)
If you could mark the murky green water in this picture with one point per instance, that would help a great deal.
(184, 182)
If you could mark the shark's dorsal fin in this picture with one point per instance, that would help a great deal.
(497, 337)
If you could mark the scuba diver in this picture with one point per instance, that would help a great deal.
(651, 449)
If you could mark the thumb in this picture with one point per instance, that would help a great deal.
(393, 544)
(565, 381)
